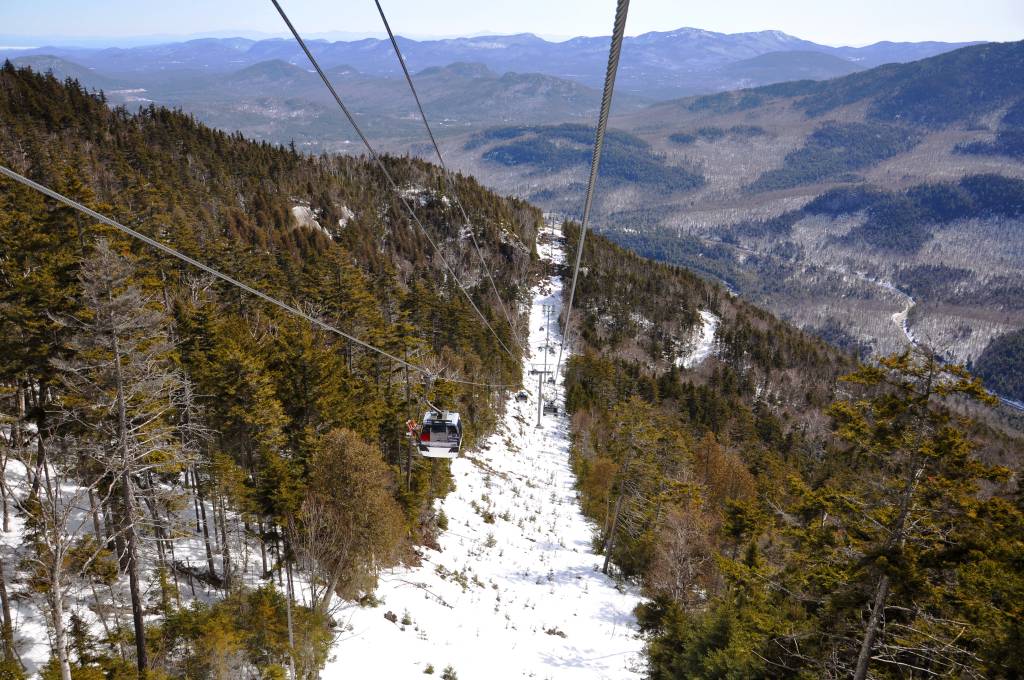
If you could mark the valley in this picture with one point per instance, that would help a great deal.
(701, 181)
(792, 194)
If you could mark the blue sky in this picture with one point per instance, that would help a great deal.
(850, 22)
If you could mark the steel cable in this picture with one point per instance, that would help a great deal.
(394, 185)
(602, 123)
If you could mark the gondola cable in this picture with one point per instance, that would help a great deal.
(46, 191)
(602, 123)
(444, 167)
(380, 163)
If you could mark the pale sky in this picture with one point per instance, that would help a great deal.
(851, 22)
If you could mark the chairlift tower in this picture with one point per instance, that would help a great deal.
(547, 332)
(541, 370)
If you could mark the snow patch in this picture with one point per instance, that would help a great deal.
(416, 194)
(641, 321)
(346, 216)
(306, 217)
(702, 342)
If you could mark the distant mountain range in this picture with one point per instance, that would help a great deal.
(278, 101)
(655, 66)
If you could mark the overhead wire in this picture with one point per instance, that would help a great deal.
(168, 250)
(380, 163)
(621, 10)
(444, 167)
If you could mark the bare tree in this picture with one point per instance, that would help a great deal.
(58, 545)
(121, 388)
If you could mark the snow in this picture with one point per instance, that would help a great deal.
(416, 193)
(487, 45)
(902, 317)
(346, 216)
(641, 321)
(1013, 403)
(29, 612)
(306, 217)
(703, 343)
(515, 590)
(31, 635)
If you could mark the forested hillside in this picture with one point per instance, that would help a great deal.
(180, 460)
(1000, 365)
(783, 507)
(159, 426)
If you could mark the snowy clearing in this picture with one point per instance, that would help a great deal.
(703, 342)
(516, 590)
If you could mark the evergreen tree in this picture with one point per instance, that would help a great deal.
(901, 521)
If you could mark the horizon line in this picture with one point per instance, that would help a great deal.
(154, 39)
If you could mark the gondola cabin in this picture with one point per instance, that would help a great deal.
(441, 434)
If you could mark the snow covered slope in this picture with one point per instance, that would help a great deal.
(703, 342)
(515, 591)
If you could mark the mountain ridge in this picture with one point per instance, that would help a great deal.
(655, 65)
(697, 432)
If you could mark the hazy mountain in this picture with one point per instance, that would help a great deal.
(686, 172)
(887, 52)
(656, 65)
(62, 69)
(278, 101)
(788, 65)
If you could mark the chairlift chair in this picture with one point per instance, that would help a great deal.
(441, 435)
(550, 408)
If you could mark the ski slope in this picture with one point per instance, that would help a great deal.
(515, 590)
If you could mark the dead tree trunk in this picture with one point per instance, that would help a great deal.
(60, 643)
(8, 625)
(610, 543)
(127, 493)
(133, 579)
(224, 546)
(206, 526)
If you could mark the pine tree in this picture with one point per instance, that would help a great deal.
(901, 519)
